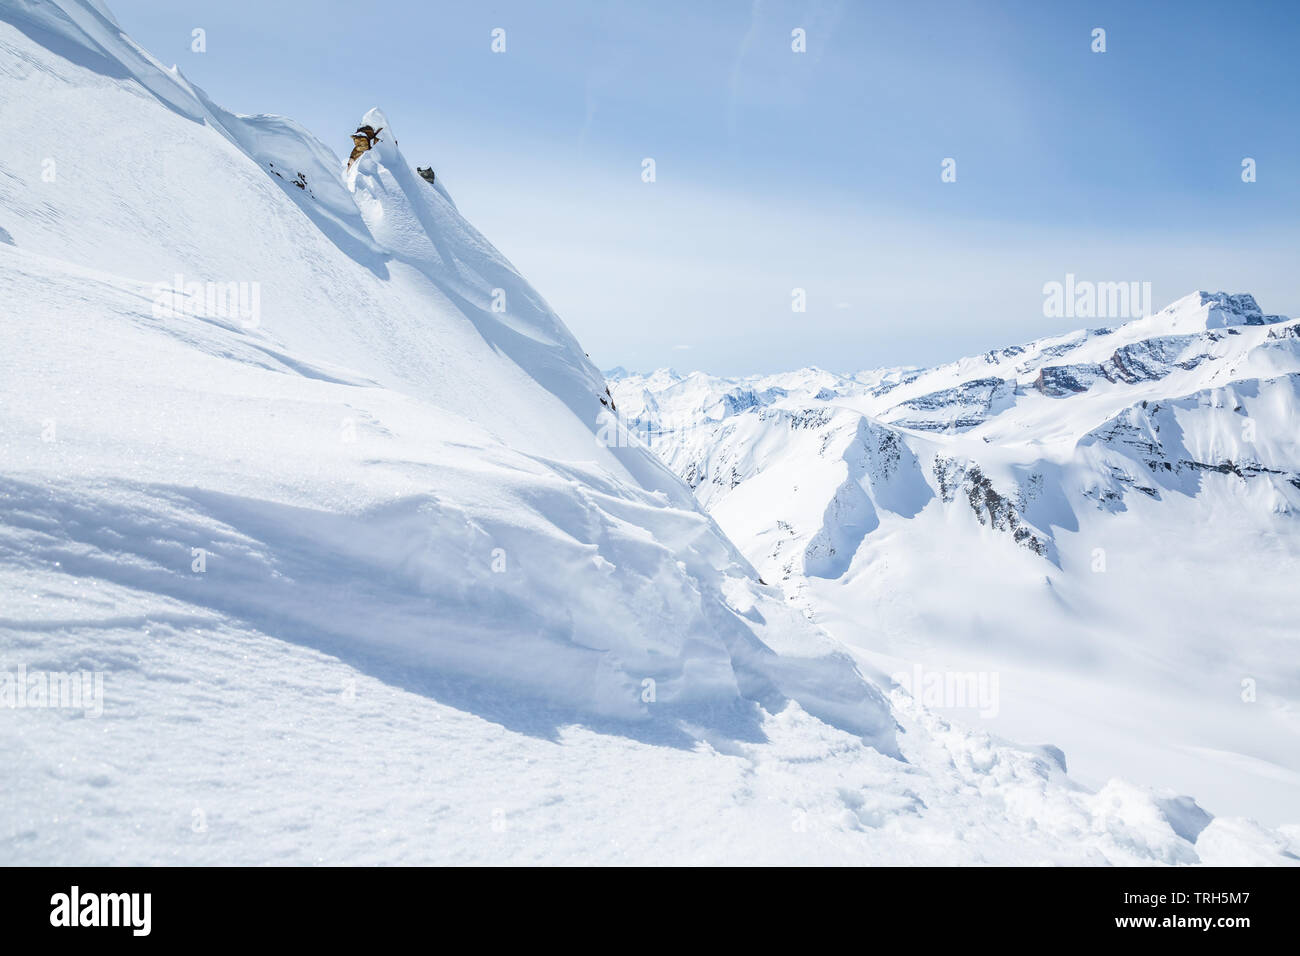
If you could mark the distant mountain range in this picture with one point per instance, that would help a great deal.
(1122, 500)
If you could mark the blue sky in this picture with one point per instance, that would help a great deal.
(778, 170)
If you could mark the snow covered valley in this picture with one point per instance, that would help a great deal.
(1100, 526)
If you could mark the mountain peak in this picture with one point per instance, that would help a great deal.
(1215, 310)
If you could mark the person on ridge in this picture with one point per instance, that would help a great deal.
(363, 139)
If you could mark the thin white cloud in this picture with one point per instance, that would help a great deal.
(755, 10)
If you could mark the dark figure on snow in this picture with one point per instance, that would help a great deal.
(362, 140)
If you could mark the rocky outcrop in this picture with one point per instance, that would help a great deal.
(965, 479)
(960, 408)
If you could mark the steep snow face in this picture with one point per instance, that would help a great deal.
(1107, 515)
(325, 405)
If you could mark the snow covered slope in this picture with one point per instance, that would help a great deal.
(376, 422)
(1109, 515)
(315, 481)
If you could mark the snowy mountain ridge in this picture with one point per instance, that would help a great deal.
(395, 307)
(1088, 452)
(1011, 397)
